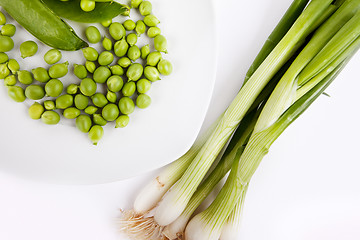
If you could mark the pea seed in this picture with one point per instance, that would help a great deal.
(115, 83)
(153, 58)
(72, 89)
(81, 101)
(143, 101)
(93, 34)
(153, 32)
(111, 96)
(110, 112)
(16, 93)
(135, 3)
(143, 85)
(83, 123)
(36, 110)
(124, 62)
(10, 80)
(90, 66)
(165, 67)
(145, 50)
(101, 74)
(8, 30)
(52, 56)
(25, 77)
(121, 47)
(160, 43)
(117, 31)
(134, 53)
(50, 118)
(99, 100)
(95, 134)
(151, 21)
(71, 113)
(28, 49)
(129, 89)
(41, 74)
(2, 19)
(140, 27)
(151, 73)
(106, 23)
(99, 120)
(122, 121)
(135, 72)
(49, 105)
(90, 54)
(105, 58)
(80, 71)
(3, 57)
(34, 92)
(129, 25)
(107, 44)
(131, 39)
(54, 88)
(145, 8)
(126, 105)
(91, 110)
(88, 87)
(87, 5)
(13, 66)
(64, 101)
(59, 70)
(117, 70)
(4, 71)
(6, 43)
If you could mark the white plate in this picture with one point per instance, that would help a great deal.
(155, 136)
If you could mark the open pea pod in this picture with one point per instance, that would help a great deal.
(41, 22)
(103, 10)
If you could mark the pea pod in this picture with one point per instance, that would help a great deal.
(41, 22)
(103, 10)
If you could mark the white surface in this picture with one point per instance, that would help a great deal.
(63, 154)
(306, 187)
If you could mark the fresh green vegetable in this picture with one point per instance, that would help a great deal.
(93, 34)
(90, 54)
(90, 110)
(134, 72)
(95, 134)
(25, 77)
(41, 74)
(34, 92)
(81, 102)
(13, 66)
(126, 105)
(52, 56)
(101, 74)
(105, 58)
(83, 123)
(36, 110)
(110, 112)
(6, 44)
(160, 43)
(115, 83)
(129, 89)
(71, 113)
(145, 8)
(54, 88)
(165, 67)
(64, 101)
(122, 121)
(117, 31)
(143, 85)
(16, 93)
(99, 100)
(143, 101)
(59, 70)
(134, 53)
(50, 118)
(88, 87)
(80, 71)
(28, 49)
(153, 32)
(8, 30)
(49, 105)
(107, 44)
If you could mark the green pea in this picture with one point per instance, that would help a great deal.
(90, 54)
(134, 53)
(126, 105)
(107, 44)
(72, 89)
(151, 73)
(2, 19)
(134, 72)
(36, 110)
(49, 105)
(8, 30)
(41, 74)
(135, 3)
(101, 74)
(59, 70)
(90, 110)
(16, 93)
(13, 66)
(87, 5)
(140, 27)
(129, 89)
(145, 50)
(121, 47)
(106, 23)
(117, 31)
(81, 102)
(80, 71)
(83, 123)
(90, 66)
(88, 87)
(52, 56)
(95, 134)
(3, 57)
(71, 113)
(64, 101)
(153, 32)
(165, 67)
(93, 34)
(117, 70)
(99, 120)
(10, 80)
(143, 101)
(6, 43)
(50, 118)
(115, 83)
(105, 58)
(129, 25)
(143, 85)
(4, 71)
(124, 62)
(151, 21)
(54, 88)
(160, 43)
(28, 49)
(111, 96)
(131, 39)
(153, 58)
(25, 77)
(122, 121)
(145, 8)
(99, 100)
(110, 112)
(34, 92)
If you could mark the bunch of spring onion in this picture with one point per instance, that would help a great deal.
(306, 51)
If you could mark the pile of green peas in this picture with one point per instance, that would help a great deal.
(88, 5)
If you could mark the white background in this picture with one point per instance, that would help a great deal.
(306, 188)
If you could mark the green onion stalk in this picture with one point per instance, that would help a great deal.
(328, 51)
